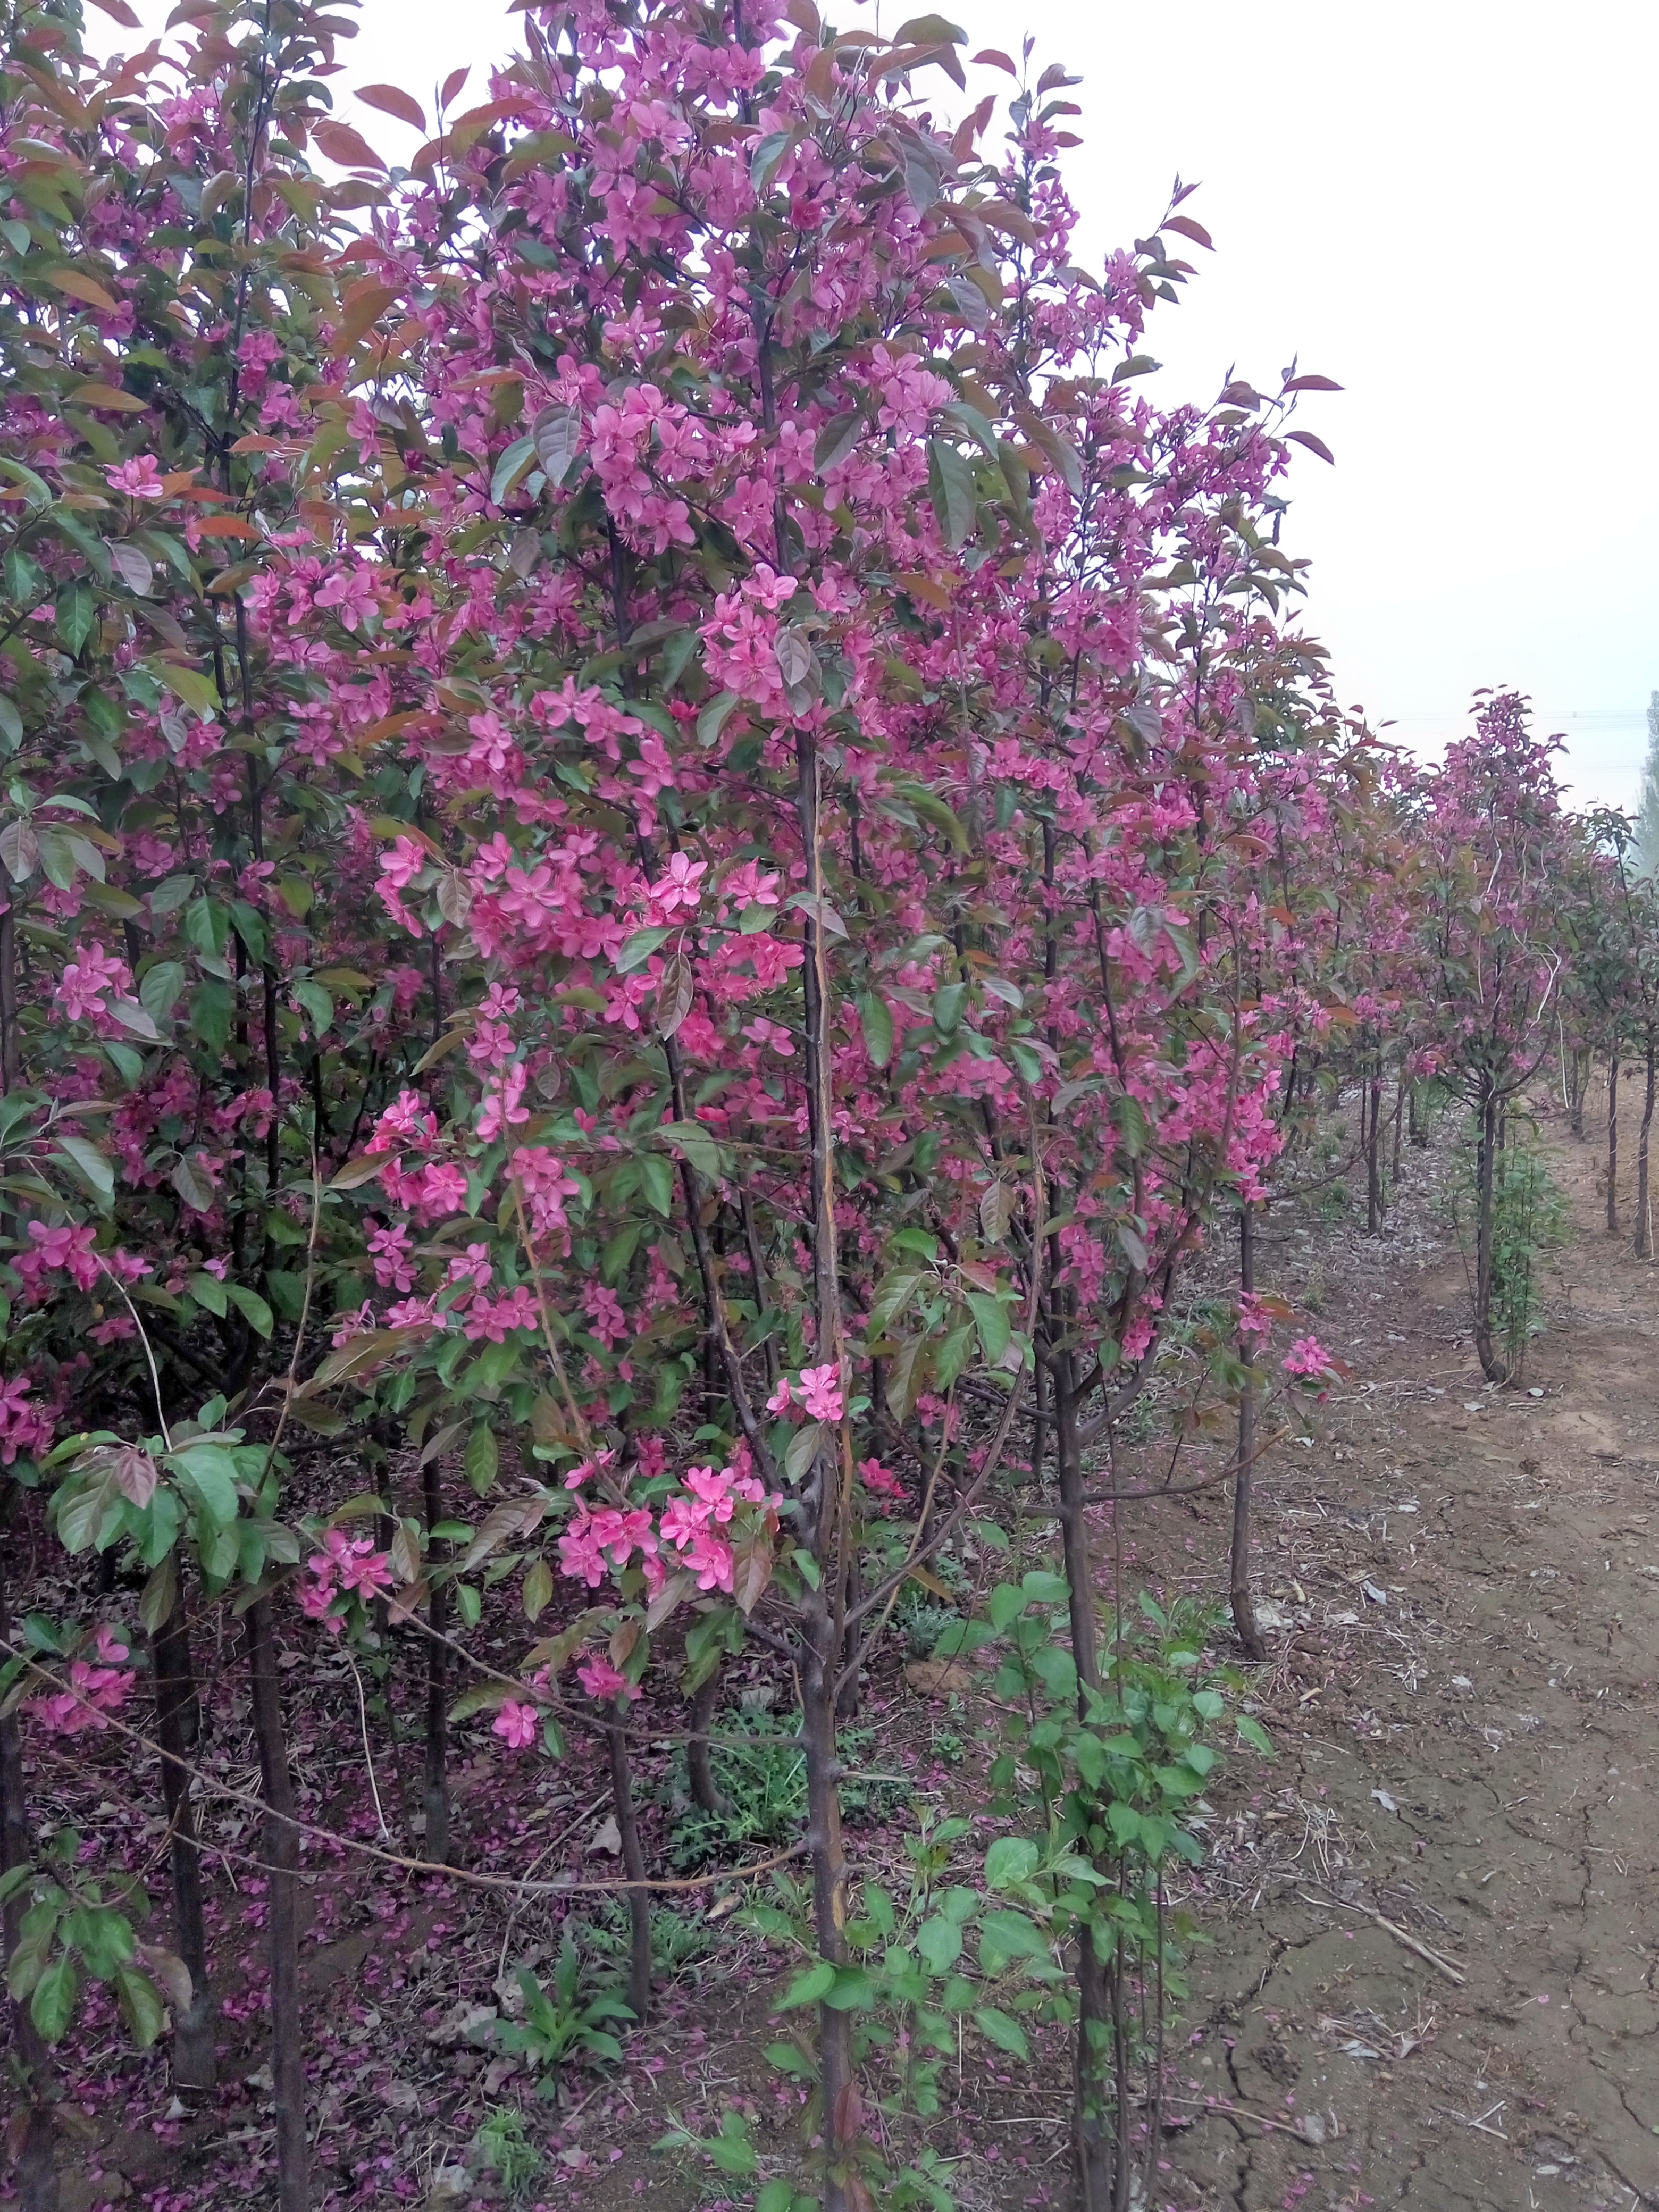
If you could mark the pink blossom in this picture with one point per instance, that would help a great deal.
(601, 1679)
(821, 1393)
(1307, 1356)
(515, 1724)
(140, 477)
(89, 981)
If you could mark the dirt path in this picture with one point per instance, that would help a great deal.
(1474, 1760)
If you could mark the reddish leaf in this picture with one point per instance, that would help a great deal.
(341, 143)
(452, 84)
(1311, 384)
(1314, 445)
(1190, 228)
(393, 101)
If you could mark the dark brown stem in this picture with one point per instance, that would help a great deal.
(1644, 1216)
(281, 1852)
(1244, 1620)
(32, 2143)
(437, 1716)
(633, 1857)
(1091, 2139)
(1613, 1144)
(177, 1722)
(705, 1793)
(1485, 1167)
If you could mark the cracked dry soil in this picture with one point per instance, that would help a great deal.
(1474, 1760)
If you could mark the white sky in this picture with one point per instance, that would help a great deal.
(1448, 206)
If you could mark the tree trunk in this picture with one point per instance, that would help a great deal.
(705, 1793)
(282, 1851)
(1398, 1118)
(30, 2135)
(1613, 1144)
(1374, 1161)
(1579, 1084)
(1244, 1620)
(194, 2064)
(633, 1858)
(1093, 2135)
(436, 1804)
(1643, 1211)
(1485, 1162)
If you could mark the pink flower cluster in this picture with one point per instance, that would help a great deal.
(1307, 1356)
(345, 1564)
(819, 1393)
(95, 1691)
(88, 983)
(24, 1425)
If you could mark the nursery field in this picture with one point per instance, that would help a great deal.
(1426, 1955)
(806, 1398)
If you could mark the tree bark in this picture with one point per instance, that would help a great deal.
(33, 2144)
(1093, 2135)
(1644, 1213)
(705, 1793)
(1613, 1144)
(1374, 1161)
(633, 1858)
(1485, 1162)
(282, 1851)
(1243, 1607)
(436, 1803)
(194, 2063)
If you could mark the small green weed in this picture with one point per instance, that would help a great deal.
(505, 2149)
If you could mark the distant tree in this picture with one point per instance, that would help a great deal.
(1647, 806)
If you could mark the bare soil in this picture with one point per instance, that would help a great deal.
(1464, 1692)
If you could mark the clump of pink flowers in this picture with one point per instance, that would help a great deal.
(346, 1565)
(97, 1688)
(820, 1392)
(1307, 1356)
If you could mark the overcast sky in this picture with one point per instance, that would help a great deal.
(1448, 205)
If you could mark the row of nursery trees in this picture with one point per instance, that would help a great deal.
(669, 856)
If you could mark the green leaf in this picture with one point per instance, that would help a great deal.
(251, 1307)
(76, 609)
(951, 488)
(208, 1473)
(212, 1010)
(1002, 2029)
(939, 1942)
(1006, 1934)
(639, 948)
(91, 1166)
(875, 1020)
(713, 719)
(1254, 1733)
(804, 1448)
(1010, 1859)
(509, 467)
(693, 1140)
(141, 2005)
(318, 1005)
(991, 1319)
(208, 1290)
(52, 2006)
(810, 1988)
(161, 988)
(482, 1459)
(657, 1180)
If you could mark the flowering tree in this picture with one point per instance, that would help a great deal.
(660, 844)
(1495, 847)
